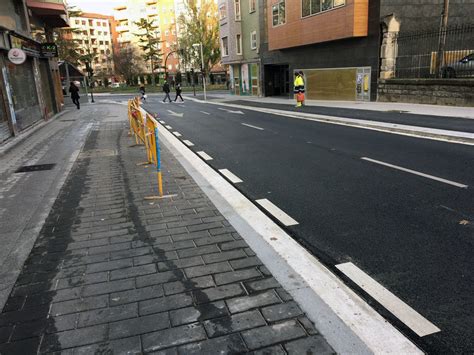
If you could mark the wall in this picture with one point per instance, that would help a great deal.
(230, 28)
(346, 21)
(456, 92)
(249, 24)
(426, 14)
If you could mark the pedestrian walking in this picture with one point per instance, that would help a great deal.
(74, 90)
(166, 90)
(299, 89)
(142, 93)
(178, 92)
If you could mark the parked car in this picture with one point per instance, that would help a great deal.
(461, 68)
(115, 85)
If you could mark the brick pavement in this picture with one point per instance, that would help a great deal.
(113, 273)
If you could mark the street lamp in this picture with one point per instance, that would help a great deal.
(195, 45)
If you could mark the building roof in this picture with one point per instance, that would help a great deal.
(94, 15)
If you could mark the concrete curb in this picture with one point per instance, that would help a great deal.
(348, 323)
(412, 131)
(14, 141)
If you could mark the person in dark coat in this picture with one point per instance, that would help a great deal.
(142, 93)
(74, 90)
(166, 90)
(178, 92)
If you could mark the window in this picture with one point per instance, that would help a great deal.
(252, 6)
(222, 11)
(99, 33)
(106, 33)
(107, 43)
(237, 10)
(253, 40)
(83, 22)
(104, 24)
(77, 22)
(225, 46)
(101, 42)
(239, 43)
(311, 7)
(278, 13)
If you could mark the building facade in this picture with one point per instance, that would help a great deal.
(94, 34)
(30, 90)
(240, 41)
(162, 13)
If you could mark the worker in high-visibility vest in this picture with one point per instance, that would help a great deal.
(299, 89)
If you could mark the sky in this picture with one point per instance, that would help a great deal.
(104, 7)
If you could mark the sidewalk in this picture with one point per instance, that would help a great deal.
(113, 273)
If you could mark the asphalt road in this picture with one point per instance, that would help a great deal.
(412, 234)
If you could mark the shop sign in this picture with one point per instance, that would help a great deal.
(29, 46)
(49, 50)
(16, 56)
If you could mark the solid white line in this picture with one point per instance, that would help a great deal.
(396, 306)
(204, 112)
(188, 143)
(276, 212)
(249, 125)
(169, 127)
(233, 178)
(177, 134)
(204, 156)
(449, 182)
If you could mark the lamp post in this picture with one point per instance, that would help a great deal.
(202, 69)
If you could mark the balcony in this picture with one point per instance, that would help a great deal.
(52, 12)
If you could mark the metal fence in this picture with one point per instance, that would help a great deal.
(418, 52)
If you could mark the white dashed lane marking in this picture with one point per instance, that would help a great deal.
(177, 134)
(249, 125)
(415, 321)
(204, 112)
(169, 127)
(277, 213)
(204, 156)
(233, 178)
(449, 182)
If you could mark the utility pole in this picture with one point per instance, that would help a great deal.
(442, 39)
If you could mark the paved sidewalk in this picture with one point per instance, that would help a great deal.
(112, 273)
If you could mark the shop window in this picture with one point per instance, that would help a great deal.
(278, 13)
(225, 46)
(238, 39)
(312, 7)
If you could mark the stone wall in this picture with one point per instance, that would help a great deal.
(454, 92)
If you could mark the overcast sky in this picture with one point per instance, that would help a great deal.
(104, 7)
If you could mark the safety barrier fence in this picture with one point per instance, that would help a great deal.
(144, 128)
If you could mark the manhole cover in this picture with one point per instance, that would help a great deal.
(31, 168)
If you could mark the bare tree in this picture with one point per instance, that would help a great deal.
(126, 62)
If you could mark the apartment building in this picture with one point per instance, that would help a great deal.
(30, 86)
(240, 37)
(163, 15)
(94, 34)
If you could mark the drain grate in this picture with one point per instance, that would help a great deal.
(31, 168)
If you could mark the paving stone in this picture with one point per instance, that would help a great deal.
(126, 346)
(164, 304)
(29, 330)
(87, 279)
(74, 338)
(218, 293)
(309, 345)
(281, 311)
(235, 323)
(213, 239)
(62, 323)
(236, 276)
(173, 337)
(232, 344)
(109, 265)
(189, 236)
(106, 315)
(154, 258)
(181, 263)
(133, 272)
(272, 350)
(79, 305)
(27, 346)
(285, 296)
(188, 285)
(108, 287)
(237, 244)
(136, 295)
(208, 249)
(222, 256)
(241, 304)
(261, 285)
(138, 326)
(269, 335)
(245, 263)
(5, 333)
(308, 325)
(198, 313)
(159, 278)
(109, 248)
(207, 269)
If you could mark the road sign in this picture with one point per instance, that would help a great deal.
(16, 56)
